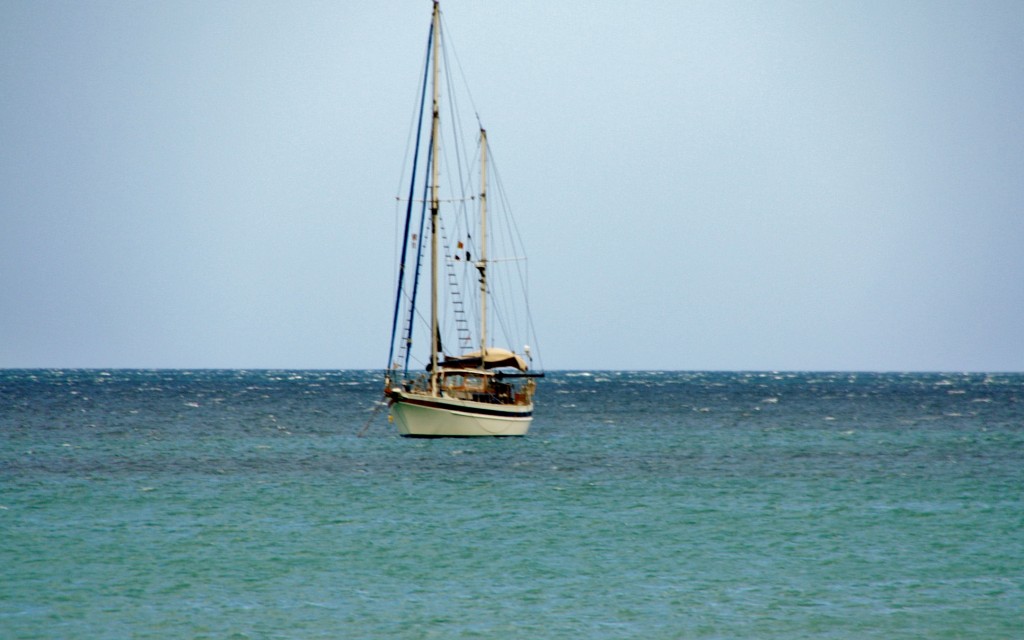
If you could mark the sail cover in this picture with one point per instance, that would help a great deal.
(491, 359)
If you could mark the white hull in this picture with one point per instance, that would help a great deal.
(427, 416)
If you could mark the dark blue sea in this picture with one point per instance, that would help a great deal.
(245, 504)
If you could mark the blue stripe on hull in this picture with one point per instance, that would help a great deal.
(471, 410)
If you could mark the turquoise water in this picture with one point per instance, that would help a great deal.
(233, 504)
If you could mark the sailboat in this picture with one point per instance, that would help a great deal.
(468, 385)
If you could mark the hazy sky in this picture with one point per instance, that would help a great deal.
(701, 185)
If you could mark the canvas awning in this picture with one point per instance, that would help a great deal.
(492, 359)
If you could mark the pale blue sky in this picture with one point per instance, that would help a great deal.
(701, 185)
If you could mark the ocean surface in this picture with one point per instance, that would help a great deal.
(245, 504)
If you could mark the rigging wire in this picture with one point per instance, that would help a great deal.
(408, 213)
(419, 262)
(503, 234)
(462, 74)
(522, 270)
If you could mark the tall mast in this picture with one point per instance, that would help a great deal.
(434, 330)
(482, 264)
